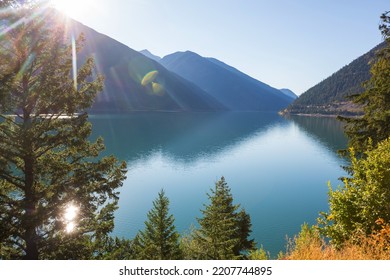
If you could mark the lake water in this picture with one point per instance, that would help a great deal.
(277, 169)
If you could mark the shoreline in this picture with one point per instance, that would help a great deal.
(319, 115)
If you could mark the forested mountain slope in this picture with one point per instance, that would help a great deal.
(329, 97)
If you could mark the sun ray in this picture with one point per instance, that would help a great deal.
(74, 62)
(6, 26)
(73, 7)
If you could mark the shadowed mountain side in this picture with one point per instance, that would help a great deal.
(134, 82)
(289, 93)
(234, 89)
(182, 136)
(328, 131)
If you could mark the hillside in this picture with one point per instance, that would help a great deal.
(289, 93)
(329, 97)
(232, 88)
(134, 82)
(150, 55)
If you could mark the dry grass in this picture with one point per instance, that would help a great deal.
(308, 245)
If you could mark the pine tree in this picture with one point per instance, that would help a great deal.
(223, 231)
(118, 249)
(159, 240)
(375, 123)
(57, 197)
(244, 231)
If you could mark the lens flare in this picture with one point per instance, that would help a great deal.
(149, 78)
(158, 89)
(70, 215)
(70, 227)
(7, 25)
(74, 62)
(73, 7)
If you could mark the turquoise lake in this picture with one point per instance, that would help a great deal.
(278, 169)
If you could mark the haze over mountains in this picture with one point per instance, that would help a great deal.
(166, 61)
(186, 81)
(134, 82)
(289, 92)
(141, 81)
(150, 55)
(234, 89)
(329, 97)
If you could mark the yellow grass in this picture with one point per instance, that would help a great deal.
(308, 245)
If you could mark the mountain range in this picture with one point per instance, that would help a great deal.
(330, 96)
(234, 89)
(134, 82)
(141, 81)
(147, 53)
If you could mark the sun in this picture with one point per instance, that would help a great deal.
(73, 7)
(70, 214)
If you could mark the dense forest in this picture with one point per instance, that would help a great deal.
(331, 96)
(58, 196)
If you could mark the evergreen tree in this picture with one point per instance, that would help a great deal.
(56, 197)
(159, 240)
(375, 123)
(244, 231)
(117, 249)
(223, 232)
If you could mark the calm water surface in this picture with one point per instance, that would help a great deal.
(277, 169)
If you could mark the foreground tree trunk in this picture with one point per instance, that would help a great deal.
(30, 200)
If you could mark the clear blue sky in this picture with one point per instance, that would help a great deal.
(293, 44)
